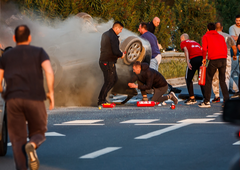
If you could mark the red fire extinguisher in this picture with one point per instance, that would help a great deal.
(145, 104)
(108, 105)
(202, 76)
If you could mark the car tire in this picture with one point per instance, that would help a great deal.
(4, 141)
(133, 48)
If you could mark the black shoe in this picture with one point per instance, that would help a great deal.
(231, 91)
(176, 90)
(236, 95)
(33, 162)
(190, 101)
(216, 100)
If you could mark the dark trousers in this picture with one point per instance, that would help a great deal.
(110, 79)
(213, 65)
(23, 114)
(196, 62)
(158, 94)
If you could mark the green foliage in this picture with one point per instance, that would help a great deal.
(192, 18)
(227, 11)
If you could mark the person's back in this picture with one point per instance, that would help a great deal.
(23, 72)
(229, 41)
(153, 42)
(215, 44)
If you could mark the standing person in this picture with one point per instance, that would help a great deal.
(156, 55)
(234, 31)
(193, 54)
(151, 26)
(238, 46)
(110, 52)
(215, 45)
(21, 68)
(149, 78)
(230, 44)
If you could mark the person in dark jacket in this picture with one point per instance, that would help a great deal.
(110, 52)
(153, 24)
(149, 78)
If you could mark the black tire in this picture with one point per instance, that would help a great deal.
(133, 48)
(4, 133)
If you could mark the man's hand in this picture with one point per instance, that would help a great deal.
(234, 57)
(204, 61)
(189, 66)
(132, 85)
(123, 55)
(50, 96)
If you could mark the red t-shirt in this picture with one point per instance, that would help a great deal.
(194, 49)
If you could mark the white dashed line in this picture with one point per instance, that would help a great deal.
(140, 121)
(99, 152)
(80, 122)
(236, 143)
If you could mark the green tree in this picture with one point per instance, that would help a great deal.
(192, 18)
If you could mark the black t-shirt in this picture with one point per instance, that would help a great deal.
(23, 72)
(151, 27)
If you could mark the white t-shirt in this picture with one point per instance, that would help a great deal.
(234, 30)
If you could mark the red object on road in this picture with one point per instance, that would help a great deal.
(172, 106)
(108, 105)
(202, 76)
(145, 104)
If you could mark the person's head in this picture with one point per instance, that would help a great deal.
(142, 28)
(218, 26)
(211, 26)
(137, 67)
(184, 37)
(117, 27)
(156, 21)
(237, 20)
(22, 35)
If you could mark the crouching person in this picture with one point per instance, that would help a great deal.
(149, 78)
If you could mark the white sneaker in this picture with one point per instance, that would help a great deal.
(203, 104)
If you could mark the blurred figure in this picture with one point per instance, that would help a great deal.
(21, 67)
(110, 52)
(193, 54)
(234, 31)
(214, 44)
(230, 44)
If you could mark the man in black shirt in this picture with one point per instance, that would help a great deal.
(110, 52)
(21, 68)
(238, 46)
(153, 24)
(149, 78)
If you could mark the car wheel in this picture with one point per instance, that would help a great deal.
(133, 48)
(3, 142)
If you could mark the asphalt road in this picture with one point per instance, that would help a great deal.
(128, 138)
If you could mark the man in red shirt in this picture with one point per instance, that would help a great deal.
(215, 45)
(193, 54)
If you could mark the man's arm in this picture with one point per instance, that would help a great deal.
(234, 47)
(187, 57)
(1, 79)
(46, 65)
(204, 49)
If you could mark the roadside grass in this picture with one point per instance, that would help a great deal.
(173, 68)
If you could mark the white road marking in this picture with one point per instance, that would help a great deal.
(140, 121)
(182, 123)
(156, 124)
(46, 134)
(99, 152)
(81, 122)
(236, 143)
(214, 115)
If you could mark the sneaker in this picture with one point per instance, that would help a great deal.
(216, 100)
(237, 94)
(190, 101)
(173, 97)
(33, 162)
(231, 91)
(203, 104)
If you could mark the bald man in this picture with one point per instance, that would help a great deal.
(153, 24)
(230, 44)
(193, 54)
